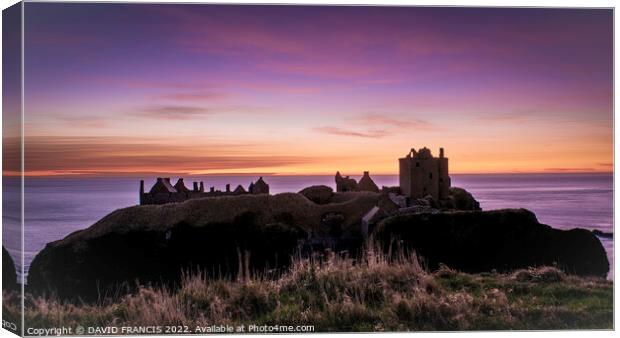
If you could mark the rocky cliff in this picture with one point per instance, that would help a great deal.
(222, 236)
(503, 240)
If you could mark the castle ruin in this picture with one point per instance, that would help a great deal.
(421, 174)
(366, 183)
(163, 191)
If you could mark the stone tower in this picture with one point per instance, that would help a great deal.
(421, 174)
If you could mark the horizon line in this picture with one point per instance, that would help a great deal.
(151, 174)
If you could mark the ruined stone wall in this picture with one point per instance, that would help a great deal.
(344, 184)
(260, 189)
(424, 178)
(404, 165)
(163, 198)
(444, 178)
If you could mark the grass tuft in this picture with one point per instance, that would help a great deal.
(545, 274)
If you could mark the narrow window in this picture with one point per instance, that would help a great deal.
(430, 176)
(417, 164)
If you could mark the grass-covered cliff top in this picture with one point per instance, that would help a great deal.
(223, 209)
(340, 294)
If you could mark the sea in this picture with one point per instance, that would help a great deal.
(56, 207)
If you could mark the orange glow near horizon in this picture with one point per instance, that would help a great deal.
(97, 157)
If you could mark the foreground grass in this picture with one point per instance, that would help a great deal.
(341, 294)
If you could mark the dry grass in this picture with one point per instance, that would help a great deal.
(545, 274)
(336, 293)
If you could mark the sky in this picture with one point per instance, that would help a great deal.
(124, 89)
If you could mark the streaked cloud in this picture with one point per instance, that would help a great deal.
(396, 122)
(377, 126)
(84, 155)
(347, 132)
(200, 96)
(173, 112)
(133, 83)
(85, 121)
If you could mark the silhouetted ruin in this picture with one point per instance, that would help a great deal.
(344, 184)
(424, 184)
(422, 175)
(366, 183)
(163, 191)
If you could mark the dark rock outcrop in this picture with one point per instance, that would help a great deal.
(154, 243)
(603, 234)
(9, 273)
(504, 240)
(113, 262)
(319, 194)
(459, 199)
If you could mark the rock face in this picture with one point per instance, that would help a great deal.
(9, 273)
(222, 236)
(476, 241)
(602, 234)
(460, 199)
(94, 266)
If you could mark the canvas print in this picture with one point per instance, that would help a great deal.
(212, 168)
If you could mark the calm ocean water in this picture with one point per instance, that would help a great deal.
(56, 207)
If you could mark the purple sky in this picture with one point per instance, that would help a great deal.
(118, 88)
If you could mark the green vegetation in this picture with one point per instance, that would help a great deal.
(344, 294)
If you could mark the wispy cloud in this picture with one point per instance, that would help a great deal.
(201, 96)
(376, 126)
(90, 155)
(183, 112)
(333, 69)
(346, 132)
(173, 112)
(132, 83)
(288, 88)
(84, 121)
(514, 116)
(393, 122)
